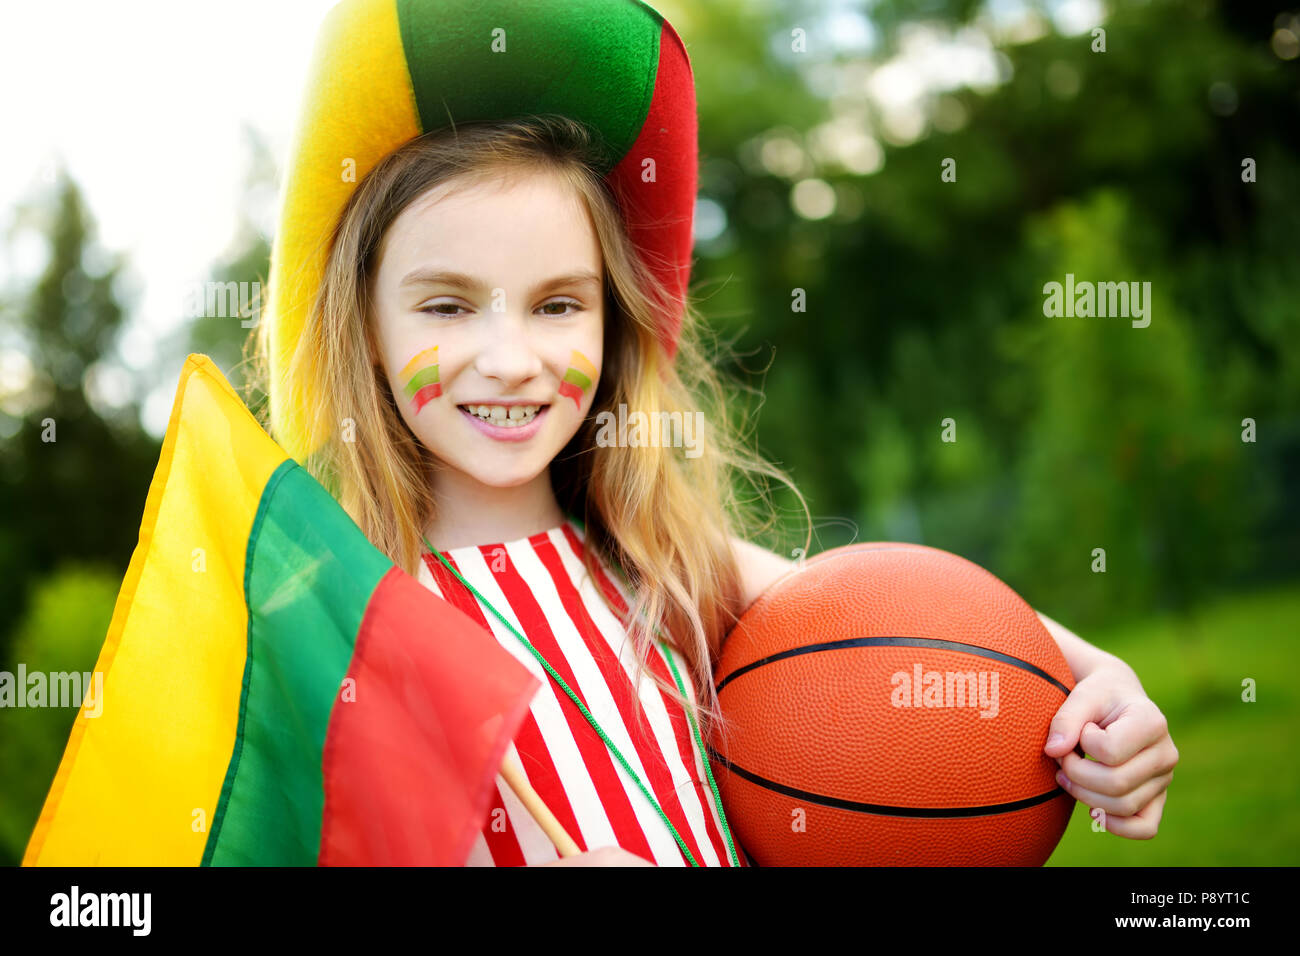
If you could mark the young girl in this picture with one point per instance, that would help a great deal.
(482, 309)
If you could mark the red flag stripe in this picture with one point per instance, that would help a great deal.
(533, 756)
(453, 592)
(374, 748)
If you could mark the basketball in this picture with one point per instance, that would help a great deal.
(887, 705)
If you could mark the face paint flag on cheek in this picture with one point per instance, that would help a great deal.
(420, 378)
(578, 378)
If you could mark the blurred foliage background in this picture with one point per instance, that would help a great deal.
(824, 131)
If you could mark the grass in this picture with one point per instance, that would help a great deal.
(1235, 789)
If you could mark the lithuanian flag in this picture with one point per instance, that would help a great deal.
(276, 691)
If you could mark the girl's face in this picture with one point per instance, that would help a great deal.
(489, 311)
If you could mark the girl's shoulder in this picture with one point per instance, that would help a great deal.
(759, 568)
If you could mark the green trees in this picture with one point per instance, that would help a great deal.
(73, 472)
(924, 299)
(1129, 448)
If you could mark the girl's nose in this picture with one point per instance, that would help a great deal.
(506, 351)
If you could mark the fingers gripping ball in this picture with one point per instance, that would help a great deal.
(888, 705)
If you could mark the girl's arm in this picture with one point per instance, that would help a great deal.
(1110, 717)
(1082, 657)
(759, 568)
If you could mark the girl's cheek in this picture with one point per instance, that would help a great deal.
(420, 379)
(579, 379)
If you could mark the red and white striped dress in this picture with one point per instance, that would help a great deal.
(540, 585)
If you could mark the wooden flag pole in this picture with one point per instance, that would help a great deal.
(552, 827)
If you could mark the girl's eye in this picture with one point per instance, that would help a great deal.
(433, 309)
(430, 309)
(577, 307)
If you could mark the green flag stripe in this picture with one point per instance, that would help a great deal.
(308, 579)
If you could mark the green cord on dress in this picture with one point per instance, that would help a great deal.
(599, 730)
(690, 713)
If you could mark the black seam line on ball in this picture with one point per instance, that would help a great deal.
(850, 642)
(880, 809)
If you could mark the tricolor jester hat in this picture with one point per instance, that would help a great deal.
(384, 72)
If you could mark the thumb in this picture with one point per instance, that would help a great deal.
(1079, 709)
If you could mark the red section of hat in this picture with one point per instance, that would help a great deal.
(660, 212)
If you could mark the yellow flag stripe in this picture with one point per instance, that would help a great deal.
(139, 783)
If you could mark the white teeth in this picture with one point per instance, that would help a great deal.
(503, 416)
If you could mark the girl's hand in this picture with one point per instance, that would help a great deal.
(605, 856)
(1111, 717)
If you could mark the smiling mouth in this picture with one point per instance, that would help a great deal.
(504, 416)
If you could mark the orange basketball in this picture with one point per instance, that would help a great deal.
(888, 704)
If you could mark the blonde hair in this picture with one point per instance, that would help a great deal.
(662, 518)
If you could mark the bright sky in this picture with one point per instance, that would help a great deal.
(144, 101)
